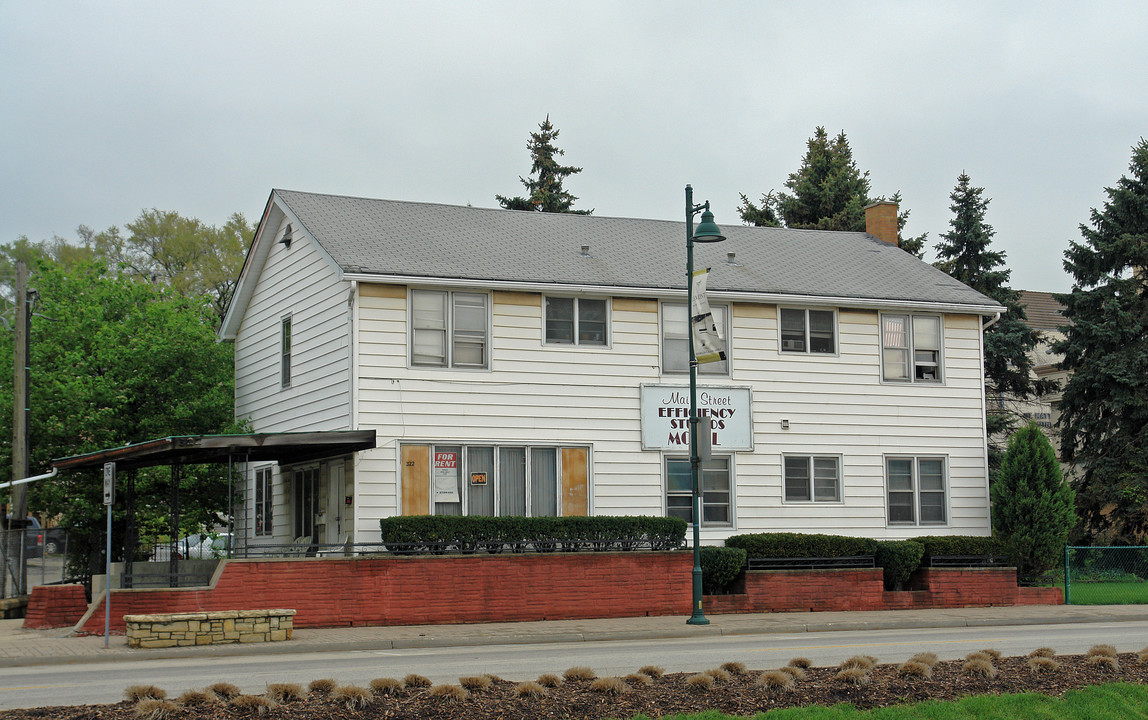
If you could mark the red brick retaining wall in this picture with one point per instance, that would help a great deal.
(431, 590)
(53, 606)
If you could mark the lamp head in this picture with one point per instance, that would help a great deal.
(707, 230)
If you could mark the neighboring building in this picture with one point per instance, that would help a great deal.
(1044, 314)
(532, 363)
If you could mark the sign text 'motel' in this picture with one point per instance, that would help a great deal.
(666, 417)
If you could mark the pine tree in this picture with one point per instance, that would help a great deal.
(546, 193)
(966, 254)
(1032, 505)
(828, 192)
(1104, 410)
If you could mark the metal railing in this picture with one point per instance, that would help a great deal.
(1105, 575)
(30, 557)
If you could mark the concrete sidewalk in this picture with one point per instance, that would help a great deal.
(40, 647)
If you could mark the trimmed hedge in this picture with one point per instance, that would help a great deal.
(720, 567)
(786, 545)
(414, 534)
(898, 558)
(961, 545)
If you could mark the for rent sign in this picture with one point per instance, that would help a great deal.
(666, 417)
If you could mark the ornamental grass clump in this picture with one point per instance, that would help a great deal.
(448, 694)
(718, 675)
(155, 709)
(927, 658)
(579, 673)
(855, 675)
(549, 680)
(414, 680)
(656, 672)
(135, 693)
(915, 669)
(979, 667)
(529, 689)
(224, 690)
(284, 692)
(610, 686)
(865, 662)
(793, 671)
(1042, 652)
(801, 662)
(252, 704)
(387, 687)
(476, 683)
(734, 668)
(1105, 662)
(1142, 656)
(1101, 651)
(979, 656)
(638, 680)
(352, 697)
(700, 682)
(1042, 664)
(994, 654)
(195, 698)
(775, 681)
(322, 686)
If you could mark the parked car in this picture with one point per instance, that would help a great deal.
(55, 540)
(33, 538)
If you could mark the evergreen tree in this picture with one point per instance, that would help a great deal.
(1032, 505)
(828, 192)
(546, 193)
(966, 254)
(1104, 411)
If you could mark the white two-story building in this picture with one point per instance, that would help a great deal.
(518, 363)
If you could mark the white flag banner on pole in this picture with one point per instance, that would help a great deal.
(708, 345)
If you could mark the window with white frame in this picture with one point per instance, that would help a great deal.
(676, 340)
(808, 331)
(285, 351)
(916, 490)
(717, 491)
(575, 321)
(812, 478)
(264, 521)
(911, 348)
(449, 329)
(495, 480)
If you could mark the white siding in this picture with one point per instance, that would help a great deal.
(573, 395)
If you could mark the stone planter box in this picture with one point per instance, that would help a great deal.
(208, 628)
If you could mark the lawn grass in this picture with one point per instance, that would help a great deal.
(1119, 701)
(1108, 593)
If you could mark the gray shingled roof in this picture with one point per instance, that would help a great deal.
(389, 237)
(1043, 311)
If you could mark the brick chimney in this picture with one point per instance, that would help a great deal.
(881, 221)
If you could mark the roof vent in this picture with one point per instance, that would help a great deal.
(286, 239)
(585, 251)
(731, 258)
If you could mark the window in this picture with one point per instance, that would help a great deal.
(488, 480)
(812, 478)
(717, 491)
(263, 501)
(911, 348)
(449, 329)
(808, 331)
(575, 321)
(285, 352)
(676, 340)
(306, 496)
(916, 490)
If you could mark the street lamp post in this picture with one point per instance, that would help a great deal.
(707, 232)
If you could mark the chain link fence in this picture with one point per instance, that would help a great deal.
(1105, 575)
(29, 557)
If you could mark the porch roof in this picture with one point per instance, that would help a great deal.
(284, 448)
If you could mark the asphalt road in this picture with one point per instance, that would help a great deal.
(98, 683)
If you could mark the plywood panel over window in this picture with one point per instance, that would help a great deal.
(575, 481)
(416, 479)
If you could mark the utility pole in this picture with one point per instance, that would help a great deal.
(17, 521)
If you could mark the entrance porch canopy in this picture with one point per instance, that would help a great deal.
(284, 448)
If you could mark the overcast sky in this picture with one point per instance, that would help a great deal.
(108, 108)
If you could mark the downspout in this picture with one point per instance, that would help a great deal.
(34, 478)
(985, 419)
(352, 410)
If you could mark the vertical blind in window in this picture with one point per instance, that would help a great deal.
(512, 480)
(543, 482)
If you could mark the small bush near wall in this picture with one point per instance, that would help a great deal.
(793, 545)
(972, 545)
(720, 567)
(898, 558)
(414, 534)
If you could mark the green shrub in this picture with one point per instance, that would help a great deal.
(898, 558)
(960, 545)
(720, 567)
(412, 534)
(786, 545)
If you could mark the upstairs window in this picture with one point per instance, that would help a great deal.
(449, 329)
(285, 352)
(911, 348)
(808, 331)
(575, 321)
(676, 340)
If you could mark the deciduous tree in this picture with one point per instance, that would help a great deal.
(1104, 410)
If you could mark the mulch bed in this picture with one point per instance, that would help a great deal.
(740, 695)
